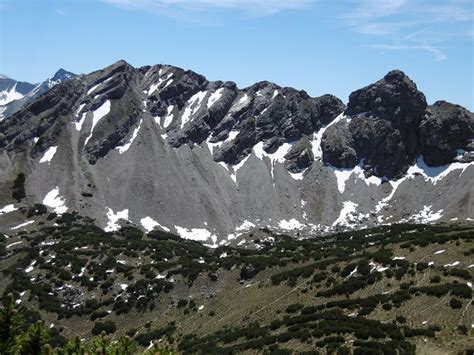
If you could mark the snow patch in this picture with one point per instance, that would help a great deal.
(81, 122)
(297, 176)
(244, 99)
(92, 89)
(290, 224)
(277, 156)
(317, 137)
(127, 146)
(430, 174)
(21, 226)
(48, 155)
(236, 168)
(352, 272)
(168, 117)
(112, 225)
(426, 215)
(246, 225)
(55, 201)
(194, 103)
(7, 96)
(31, 267)
(8, 209)
(215, 96)
(452, 264)
(149, 224)
(346, 215)
(13, 244)
(197, 234)
(98, 114)
(343, 175)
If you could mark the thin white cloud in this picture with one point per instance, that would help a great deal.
(436, 52)
(411, 25)
(377, 8)
(256, 7)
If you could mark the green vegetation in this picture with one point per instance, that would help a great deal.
(19, 337)
(345, 293)
(18, 189)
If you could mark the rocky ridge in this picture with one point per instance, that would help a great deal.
(162, 147)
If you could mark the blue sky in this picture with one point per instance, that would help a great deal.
(320, 46)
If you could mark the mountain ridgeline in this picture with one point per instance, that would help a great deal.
(161, 147)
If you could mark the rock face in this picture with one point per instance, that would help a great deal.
(381, 127)
(446, 131)
(163, 147)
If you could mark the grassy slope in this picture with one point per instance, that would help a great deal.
(280, 273)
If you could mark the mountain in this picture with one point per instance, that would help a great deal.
(11, 89)
(14, 101)
(161, 147)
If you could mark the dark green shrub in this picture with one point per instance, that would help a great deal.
(455, 304)
(108, 327)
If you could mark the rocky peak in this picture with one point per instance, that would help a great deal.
(62, 74)
(394, 98)
(381, 127)
(447, 133)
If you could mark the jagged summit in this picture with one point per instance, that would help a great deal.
(62, 74)
(163, 147)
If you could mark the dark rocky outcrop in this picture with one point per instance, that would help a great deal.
(445, 129)
(381, 127)
(300, 156)
(274, 115)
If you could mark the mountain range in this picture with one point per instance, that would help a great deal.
(162, 147)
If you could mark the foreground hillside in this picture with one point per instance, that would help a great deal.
(391, 289)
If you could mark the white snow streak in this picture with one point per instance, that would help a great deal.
(193, 106)
(168, 117)
(236, 168)
(127, 146)
(317, 137)
(343, 175)
(98, 114)
(92, 89)
(215, 96)
(48, 155)
(81, 122)
(21, 226)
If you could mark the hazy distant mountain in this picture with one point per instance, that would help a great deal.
(11, 89)
(16, 95)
